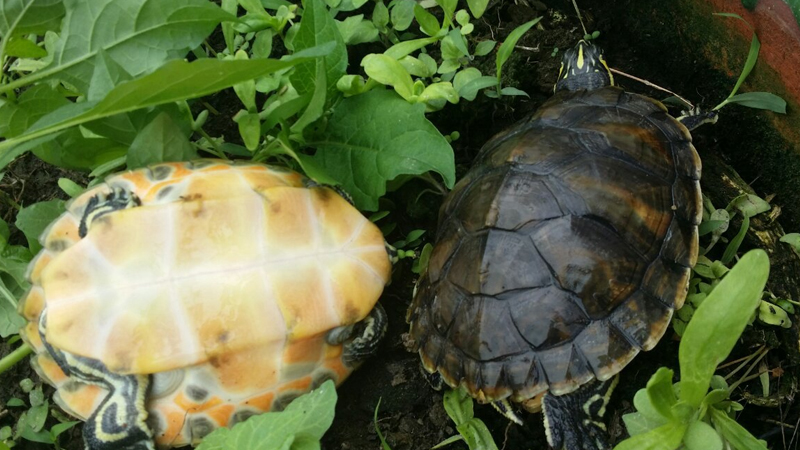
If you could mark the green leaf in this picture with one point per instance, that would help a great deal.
(14, 261)
(665, 437)
(477, 7)
(71, 150)
(303, 422)
(356, 30)
(507, 47)
(458, 405)
(316, 105)
(734, 433)
(38, 101)
(752, 55)
(106, 75)
(249, 128)
(176, 80)
(388, 71)
(10, 320)
(701, 436)
(59, 428)
(736, 242)
(476, 435)
(660, 393)
(428, 23)
(443, 90)
(718, 323)
(484, 48)
(32, 220)
(749, 204)
(18, 17)
(21, 47)
(405, 48)
(760, 100)
(160, 141)
(792, 239)
(70, 187)
(513, 91)
(402, 14)
(374, 137)
(140, 35)
(380, 15)
(318, 28)
(638, 423)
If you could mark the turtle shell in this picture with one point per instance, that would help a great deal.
(222, 283)
(564, 250)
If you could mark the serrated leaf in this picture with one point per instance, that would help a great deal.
(317, 27)
(160, 141)
(374, 137)
(140, 35)
(32, 220)
(718, 322)
(305, 420)
(18, 17)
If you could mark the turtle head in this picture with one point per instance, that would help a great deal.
(583, 67)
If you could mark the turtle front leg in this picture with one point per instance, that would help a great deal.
(119, 422)
(575, 421)
(362, 339)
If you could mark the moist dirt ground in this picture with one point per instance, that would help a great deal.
(411, 414)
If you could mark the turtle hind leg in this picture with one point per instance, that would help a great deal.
(361, 340)
(575, 421)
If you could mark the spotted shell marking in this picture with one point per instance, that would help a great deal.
(222, 283)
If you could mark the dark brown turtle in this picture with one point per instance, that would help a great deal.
(563, 252)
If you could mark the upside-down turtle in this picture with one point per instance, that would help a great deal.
(563, 252)
(172, 300)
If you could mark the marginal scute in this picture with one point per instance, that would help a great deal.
(563, 251)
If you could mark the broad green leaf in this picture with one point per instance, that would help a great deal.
(70, 187)
(249, 129)
(476, 435)
(38, 101)
(477, 7)
(428, 23)
(176, 80)
(405, 48)
(458, 405)
(402, 14)
(374, 137)
(792, 239)
(304, 422)
(59, 428)
(71, 150)
(749, 204)
(513, 91)
(160, 141)
(21, 47)
(660, 393)
(638, 423)
(140, 35)
(701, 436)
(356, 30)
(507, 47)
(10, 320)
(718, 322)
(18, 17)
(471, 88)
(380, 15)
(484, 47)
(415, 67)
(388, 71)
(32, 220)
(442, 90)
(760, 100)
(665, 437)
(106, 75)
(318, 28)
(734, 433)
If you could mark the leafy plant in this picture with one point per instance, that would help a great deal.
(31, 424)
(687, 413)
(471, 430)
(298, 427)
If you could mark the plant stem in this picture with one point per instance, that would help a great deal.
(14, 357)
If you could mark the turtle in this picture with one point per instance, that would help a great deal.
(172, 300)
(563, 252)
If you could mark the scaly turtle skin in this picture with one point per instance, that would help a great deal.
(562, 253)
(176, 299)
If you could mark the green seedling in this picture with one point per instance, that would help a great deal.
(471, 430)
(686, 413)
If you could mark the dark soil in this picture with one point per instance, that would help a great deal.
(411, 414)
